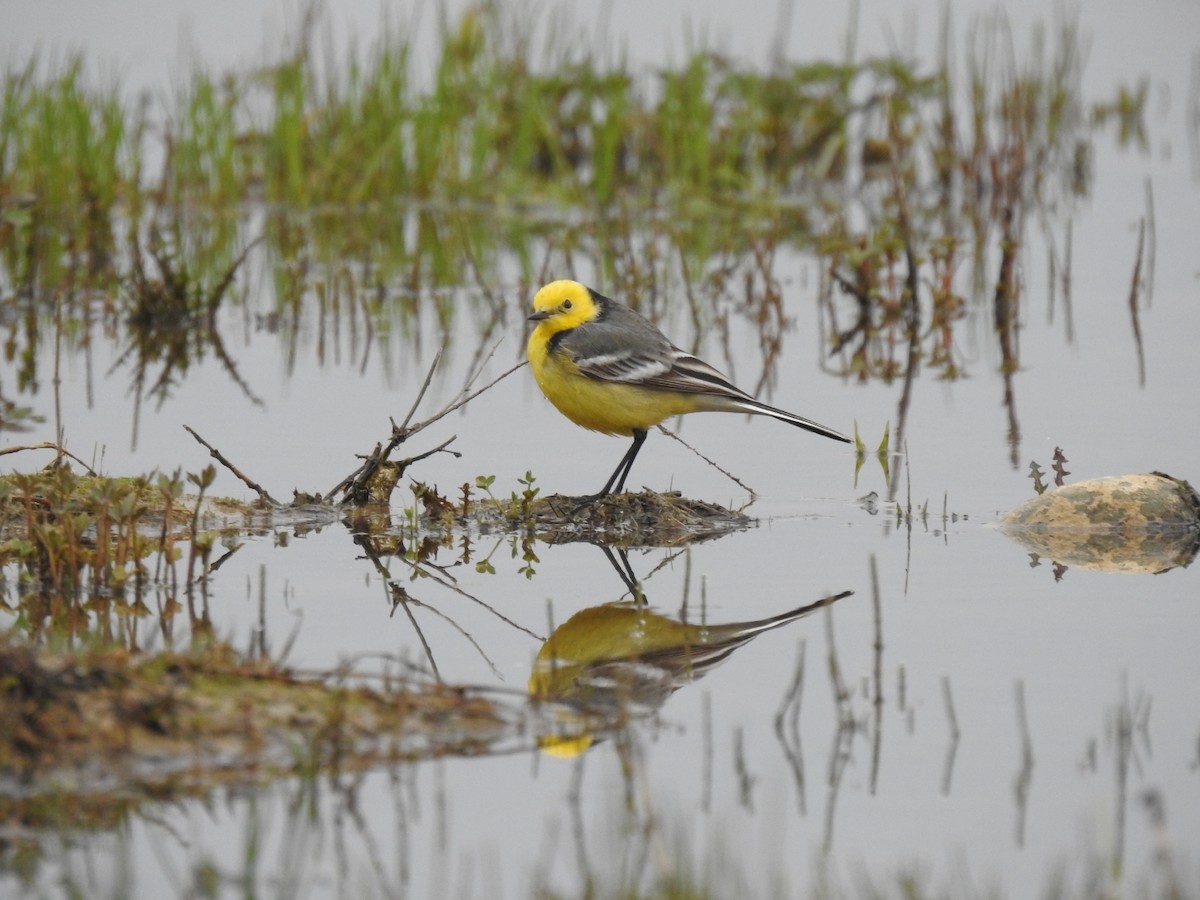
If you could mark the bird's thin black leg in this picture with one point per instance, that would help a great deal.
(617, 480)
(639, 438)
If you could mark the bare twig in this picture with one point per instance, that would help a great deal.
(48, 445)
(462, 401)
(245, 479)
(724, 472)
(424, 387)
(353, 482)
(355, 485)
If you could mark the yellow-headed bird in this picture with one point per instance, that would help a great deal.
(609, 369)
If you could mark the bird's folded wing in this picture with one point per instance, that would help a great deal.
(695, 376)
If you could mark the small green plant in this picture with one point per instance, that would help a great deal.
(1060, 467)
(484, 483)
(522, 502)
(881, 453)
(1036, 474)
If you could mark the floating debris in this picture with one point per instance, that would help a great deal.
(1127, 523)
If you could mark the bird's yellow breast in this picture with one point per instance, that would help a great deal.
(606, 406)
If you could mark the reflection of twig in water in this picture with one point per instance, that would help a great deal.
(367, 835)
(413, 601)
(1068, 308)
(787, 729)
(1025, 774)
(839, 755)
(1005, 304)
(449, 584)
(877, 700)
(908, 531)
(912, 306)
(745, 779)
(843, 738)
(952, 750)
(707, 738)
(1133, 305)
(578, 832)
(1151, 242)
(841, 694)
(663, 563)
(1128, 719)
(400, 598)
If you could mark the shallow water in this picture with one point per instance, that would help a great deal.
(1038, 667)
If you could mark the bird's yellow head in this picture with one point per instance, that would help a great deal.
(564, 304)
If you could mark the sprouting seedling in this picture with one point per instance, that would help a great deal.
(1036, 473)
(527, 495)
(484, 483)
(1060, 467)
(881, 454)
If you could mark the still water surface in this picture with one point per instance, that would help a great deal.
(1035, 670)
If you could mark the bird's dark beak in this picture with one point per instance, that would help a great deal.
(538, 316)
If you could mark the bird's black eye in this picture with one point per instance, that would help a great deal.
(566, 304)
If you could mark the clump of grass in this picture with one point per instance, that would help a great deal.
(68, 154)
(207, 159)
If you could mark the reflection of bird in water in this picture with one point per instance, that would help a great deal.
(609, 662)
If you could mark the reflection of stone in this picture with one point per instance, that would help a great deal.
(610, 662)
(1129, 523)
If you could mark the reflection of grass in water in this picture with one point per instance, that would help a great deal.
(82, 554)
